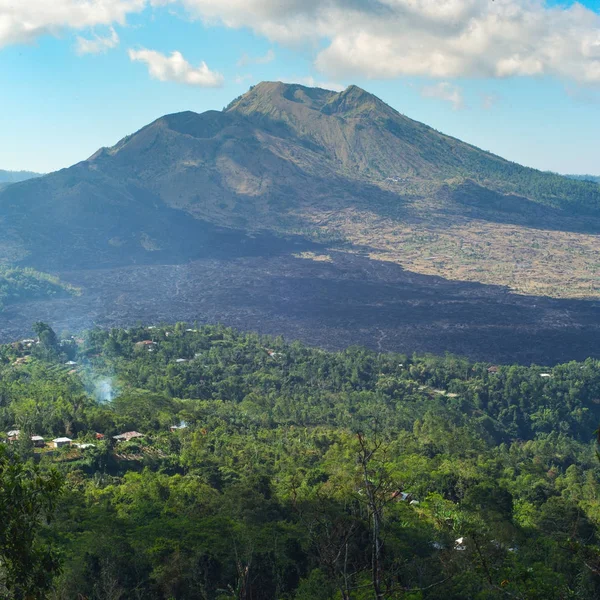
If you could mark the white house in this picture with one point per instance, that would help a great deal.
(61, 442)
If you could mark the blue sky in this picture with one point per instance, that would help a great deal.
(509, 93)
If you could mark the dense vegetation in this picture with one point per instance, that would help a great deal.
(302, 474)
(19, 285)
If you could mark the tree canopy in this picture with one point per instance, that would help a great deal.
(269, 470)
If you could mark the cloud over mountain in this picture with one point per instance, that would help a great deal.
(370, 38)
(437, 38)
(176, 68)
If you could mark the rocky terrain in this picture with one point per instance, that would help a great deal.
(333, 303)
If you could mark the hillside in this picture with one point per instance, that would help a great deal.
(367, 139)
(201, 461)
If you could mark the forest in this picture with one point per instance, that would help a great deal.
(265, 469)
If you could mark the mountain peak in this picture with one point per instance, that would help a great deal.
(354, 101)
(285, 101)
(356, 92)
(269, 97)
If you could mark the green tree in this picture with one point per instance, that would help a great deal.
(27, 502)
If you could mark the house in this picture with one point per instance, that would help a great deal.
(38, 441)
(181, 360)
(128, 435)
(61, 442)
(70, 363)
(182, 425)
(13, 435)
(99, 436)
(545, 375)
(493, 369)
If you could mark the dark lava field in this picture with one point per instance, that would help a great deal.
(352, 300)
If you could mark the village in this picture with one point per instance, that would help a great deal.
(48, 446)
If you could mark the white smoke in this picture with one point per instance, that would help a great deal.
(104, 389)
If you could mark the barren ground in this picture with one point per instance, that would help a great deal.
(343, 300)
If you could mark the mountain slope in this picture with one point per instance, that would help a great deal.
(367, 138)
(344, 168)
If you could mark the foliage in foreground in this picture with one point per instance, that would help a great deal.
(303, 474)
(27, 501)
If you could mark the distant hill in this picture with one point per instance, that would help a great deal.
(16, 176)
(593, 178)
(9, 177)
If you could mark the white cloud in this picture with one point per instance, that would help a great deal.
(445, 91)
(98, 44)
(22, 21)
(368, 38)
(438, 38)
(246, 60)
(176, 68)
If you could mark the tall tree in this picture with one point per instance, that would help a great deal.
(27, 502)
